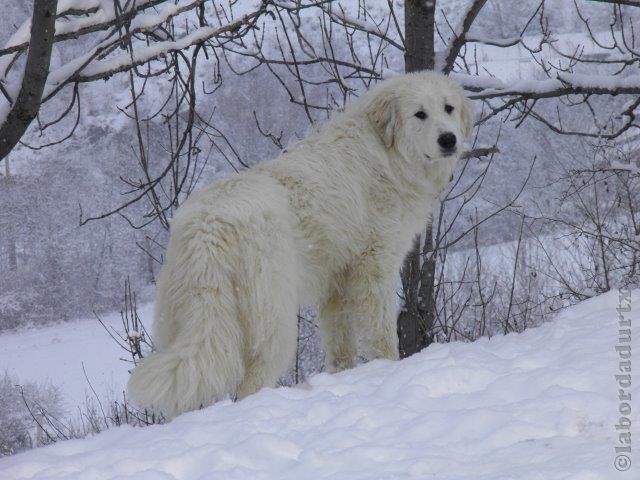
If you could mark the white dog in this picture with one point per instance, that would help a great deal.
(328, 224)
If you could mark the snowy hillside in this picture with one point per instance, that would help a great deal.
(539, 405)
(70, 356)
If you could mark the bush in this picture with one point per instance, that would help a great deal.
(22, 408)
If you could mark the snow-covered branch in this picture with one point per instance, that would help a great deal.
(89, 67)
(564, 84)
(338, 15)
(102, 18)
(94, 17)
(500, 42)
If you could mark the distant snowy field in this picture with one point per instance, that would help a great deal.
(56, 355)
(538, 405)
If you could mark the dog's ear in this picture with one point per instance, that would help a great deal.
(468, 117)
(382, 112)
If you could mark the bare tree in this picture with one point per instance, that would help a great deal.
(416, 318)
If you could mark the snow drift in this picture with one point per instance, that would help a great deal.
(539, 405)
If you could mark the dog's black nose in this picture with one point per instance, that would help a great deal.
(447, 141)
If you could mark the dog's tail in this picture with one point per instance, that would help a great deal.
(198, 335)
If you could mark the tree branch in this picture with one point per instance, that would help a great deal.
(460, 40)
(66, 30)
(563, 84)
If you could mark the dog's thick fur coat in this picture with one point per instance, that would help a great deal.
(328, 224)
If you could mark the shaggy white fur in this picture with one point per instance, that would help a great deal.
(328, 223)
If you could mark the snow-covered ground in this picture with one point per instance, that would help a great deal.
(56, 355)
(539, 405)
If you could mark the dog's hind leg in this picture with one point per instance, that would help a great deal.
(267, 302)
(273, 343)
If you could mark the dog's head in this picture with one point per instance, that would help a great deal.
(423, 115)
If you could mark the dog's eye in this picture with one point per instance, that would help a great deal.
(421, 115)
(448, 108)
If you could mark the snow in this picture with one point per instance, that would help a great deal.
(87, 67)
(488, 87)
(13, 89)
(538, 405)
(61, 354)
(489, 40)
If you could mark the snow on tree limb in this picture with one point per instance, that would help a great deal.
(500, 42)
(564, 84)
(142, 55)
(341, 18)
(88, 67)
(101, 20)
(97, 20)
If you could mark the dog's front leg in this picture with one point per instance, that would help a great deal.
(370, 300)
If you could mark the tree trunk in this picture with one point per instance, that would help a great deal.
(25, 108)
(416, 318)
(419, 30)
(9, 225)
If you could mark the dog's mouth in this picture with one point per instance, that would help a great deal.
(429, 159)
(449, 153)
(444, 154)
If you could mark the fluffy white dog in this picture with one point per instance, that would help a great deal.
(328, 224)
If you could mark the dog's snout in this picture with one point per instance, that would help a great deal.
(447, 141)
